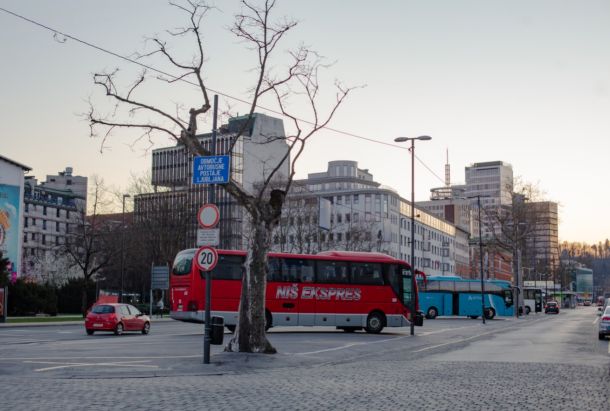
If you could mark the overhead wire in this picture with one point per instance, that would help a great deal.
(178, 78)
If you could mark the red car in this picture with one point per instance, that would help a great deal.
(116, 318)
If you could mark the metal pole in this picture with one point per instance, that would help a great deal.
(481, 261)
(208, 274)
(122, 246)
(412, 236)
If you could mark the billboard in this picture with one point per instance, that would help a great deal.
(9, 223)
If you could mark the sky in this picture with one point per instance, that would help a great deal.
(525, 82)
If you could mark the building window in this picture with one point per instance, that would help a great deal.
(33, 236)
(44, 224)
(44, 210)
(44, 239)
(356, 198)
(57, 226)
(57, 213)
(27, 207)
(25, 221)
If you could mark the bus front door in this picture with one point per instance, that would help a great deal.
(456, 304)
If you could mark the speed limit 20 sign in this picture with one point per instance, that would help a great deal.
(206, 258)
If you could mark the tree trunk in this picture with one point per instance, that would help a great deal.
(250, 333)
(84, 299)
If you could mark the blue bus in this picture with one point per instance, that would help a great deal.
(453, 295)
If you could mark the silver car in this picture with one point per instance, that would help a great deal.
(604, 324)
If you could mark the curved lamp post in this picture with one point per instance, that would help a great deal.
(413, 283)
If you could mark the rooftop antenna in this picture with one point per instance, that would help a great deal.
(447, 172)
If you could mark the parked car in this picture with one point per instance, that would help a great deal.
(551, 307)
(116, 318)
(587, 303)
(604, 324)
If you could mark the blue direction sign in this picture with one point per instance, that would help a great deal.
(211, 170)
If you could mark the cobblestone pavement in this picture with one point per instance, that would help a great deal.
(383, 385)
(508, 373)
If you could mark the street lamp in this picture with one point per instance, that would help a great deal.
(122, 246)
(478, 197)
(413, 284)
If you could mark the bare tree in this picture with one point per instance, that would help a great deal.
(298, 80)
(88, 245)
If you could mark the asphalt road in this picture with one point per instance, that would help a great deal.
(451, 363)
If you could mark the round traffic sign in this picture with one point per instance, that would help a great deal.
(206, 258)
(208, 216)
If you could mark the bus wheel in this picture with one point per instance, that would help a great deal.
(374, 323)
(527, 310)
(490, 313)
(432, 313)
(268, 320)
(231, 328)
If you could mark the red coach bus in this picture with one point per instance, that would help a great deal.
(346, 290)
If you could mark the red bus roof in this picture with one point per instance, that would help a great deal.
(327, 255)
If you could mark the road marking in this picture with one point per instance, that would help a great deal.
(453, 342)
(78, 364)
(42, 359)
(595, 321)
(348, 346)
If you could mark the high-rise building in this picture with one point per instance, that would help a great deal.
(253, 156)
(541, 254)
(50, 208)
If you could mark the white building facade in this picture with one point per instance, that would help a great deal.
(50, 208)
(365, 216)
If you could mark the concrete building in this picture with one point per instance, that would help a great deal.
(542, 245)
(51, 207)
(253, 156)
(366, 216)
(11, 212)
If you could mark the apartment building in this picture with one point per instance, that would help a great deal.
(50, 208)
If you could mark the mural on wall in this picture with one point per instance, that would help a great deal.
(9, 224)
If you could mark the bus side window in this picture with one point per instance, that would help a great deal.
(230, 267)
(297, 270)
(274, 270)
(367, 273)
(393, 277)
(332, 272)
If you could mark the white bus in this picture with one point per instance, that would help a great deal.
(532, 299)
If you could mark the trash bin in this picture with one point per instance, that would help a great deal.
(218, 330)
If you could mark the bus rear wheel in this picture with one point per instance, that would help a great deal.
(375, 323)
(432, 313)
(490, 313)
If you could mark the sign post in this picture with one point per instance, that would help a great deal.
(209, 170)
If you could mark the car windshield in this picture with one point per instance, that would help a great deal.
(552, 304)
(103, 309)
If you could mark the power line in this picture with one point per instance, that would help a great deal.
(154, 69)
